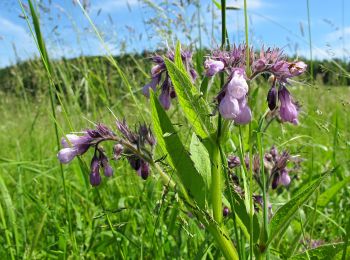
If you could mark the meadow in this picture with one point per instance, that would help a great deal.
(50, 210)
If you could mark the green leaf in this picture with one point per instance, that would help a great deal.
(322, 252)
(192, 103)
(201, 159)
(242, 216)
(177, 155)
(217, 4)
(285, 214)
(326, 196)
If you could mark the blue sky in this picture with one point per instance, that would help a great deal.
(281, 23)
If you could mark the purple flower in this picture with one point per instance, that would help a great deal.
(164, 97)
(245, 114)
(95, 177)
(153, 85)
(225, 211)
(233, 161)
(66, 155)
(237, 86)
(213, 66)
(108, 170)
(134, 161)
(284, 178)
(284, 70)
(144, 170)
(167, 90)
(297, 68)
(288, 110)
(259, 65)
(272, 98)
(78, 146)
(229, 107)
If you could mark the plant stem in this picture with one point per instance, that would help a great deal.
(224, 242)
(251, 213)
(223, 23)
(265, 228)
(216, 185)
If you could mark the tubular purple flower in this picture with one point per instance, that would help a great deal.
(275, 180)
(213, 66)
(144, 170)
(134, 161)
(80, 143)
(193, 74)
(284, 178)
(66, 155)
(244, 115)
(237, 86)
(297, 68)
(164, 97)
(153, 85)
(288, 110)
(108, 170)
(229, 107)
(272, 98)
(95, 178)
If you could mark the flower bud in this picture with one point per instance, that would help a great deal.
(288, 110)
(225, 211)
(117, 151)
(95, 178)
(259, 65)
(233, 161)
(272, 98)
(144, 170)
(134, 161)
(275, 180)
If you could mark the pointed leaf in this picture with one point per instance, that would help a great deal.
(201, 160)
(192, 103)
(326, 196)
(322, 252)
(285, 214)
(176, 153)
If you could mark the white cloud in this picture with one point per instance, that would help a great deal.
(251, 4)
(13, 33)
(7, 26)
(113, 5)
(338, 34)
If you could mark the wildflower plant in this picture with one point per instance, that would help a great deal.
(207, 182)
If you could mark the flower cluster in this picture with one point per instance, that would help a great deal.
(167, 89)
(138, 141)
(275, 167)
(232, 98)
(135, 146)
